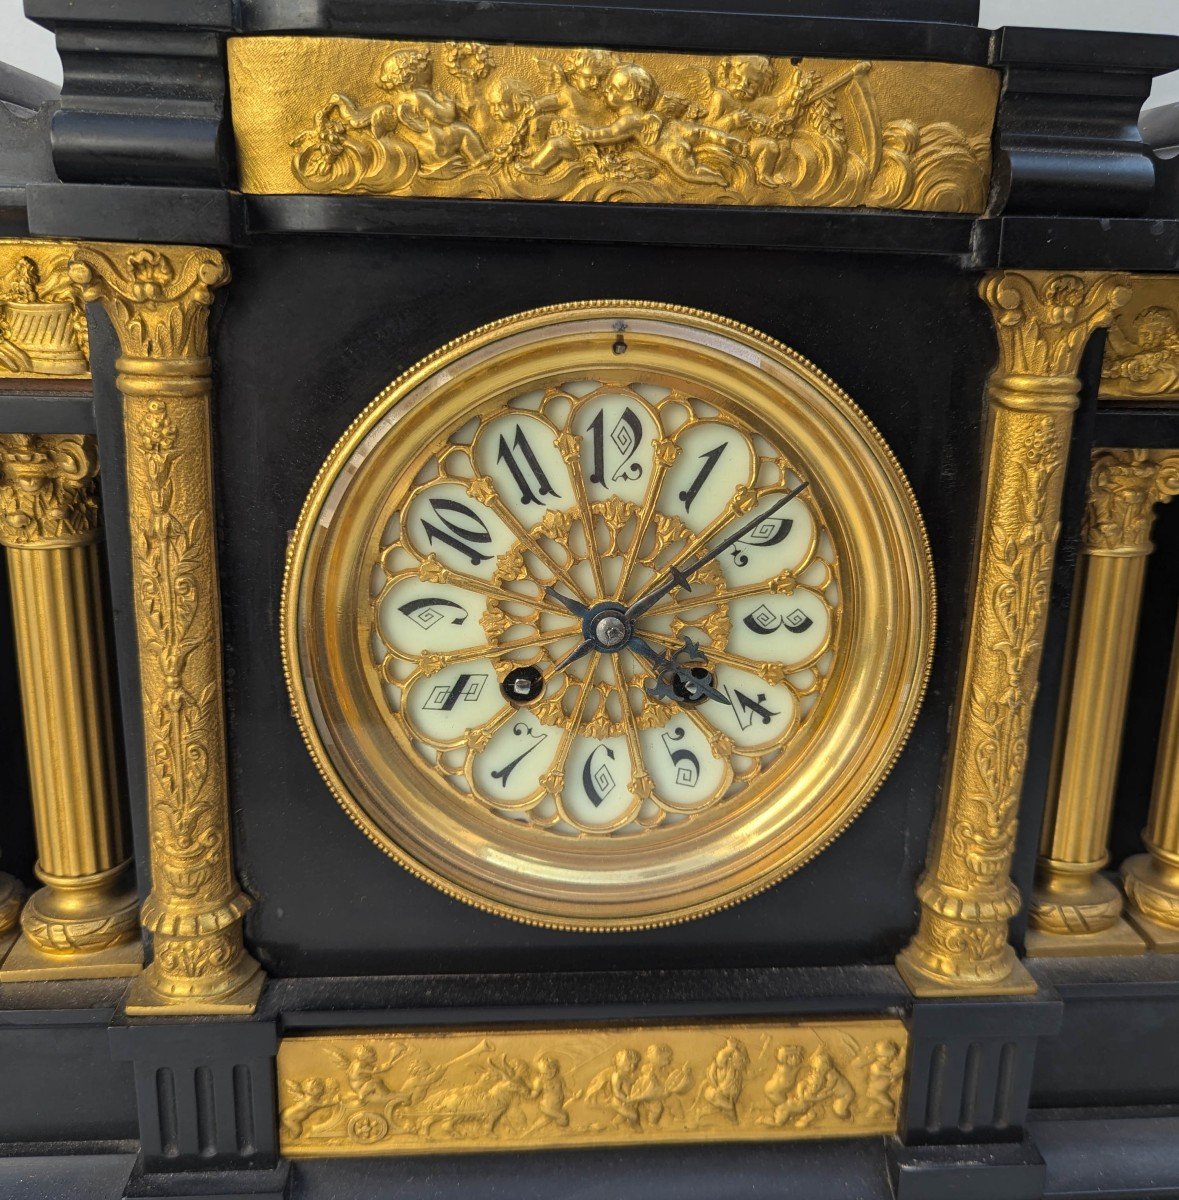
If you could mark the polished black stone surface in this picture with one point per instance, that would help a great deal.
(1072, 1092)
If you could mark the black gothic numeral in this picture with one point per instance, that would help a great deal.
(461, 537)
(710, 458)
(539, 479)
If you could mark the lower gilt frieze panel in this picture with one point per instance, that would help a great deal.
(421, 1092)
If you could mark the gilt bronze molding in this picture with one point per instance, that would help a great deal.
(1042, 322)
(354, 116)
(83, 923)
(413, 1092)
(1075, 910)
(43, 330)
(158, 300)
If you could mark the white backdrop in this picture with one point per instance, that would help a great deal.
(30, 47)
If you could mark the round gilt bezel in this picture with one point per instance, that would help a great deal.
(665, 875)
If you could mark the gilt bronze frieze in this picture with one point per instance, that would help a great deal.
(353, 116)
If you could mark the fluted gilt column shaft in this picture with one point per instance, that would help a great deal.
(1042, 322)
(158, 299)
(1151, 880)
(49, 527)
(1075, 909)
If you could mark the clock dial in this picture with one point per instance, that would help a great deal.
(608, 623)
(533, 533)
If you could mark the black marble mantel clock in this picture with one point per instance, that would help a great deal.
(583, 616)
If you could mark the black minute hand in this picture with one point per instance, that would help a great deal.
(680, 576)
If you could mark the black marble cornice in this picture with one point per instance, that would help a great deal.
(757, 28)
(142, 135)
(1066, 136)
(145, 92)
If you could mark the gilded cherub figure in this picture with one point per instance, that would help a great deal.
(630, 93)
(725, 1079)
(364, 1068)
(740, 80)
(819, 1088)
(315, 1101)
(682, 138)
(528, 118)
(748, 97)
(1148, 362)
(659, 1085)
(743, 101)
(882, 1066)
(428, 119)
(576, 86)
(615, 1087)
(547, 1088)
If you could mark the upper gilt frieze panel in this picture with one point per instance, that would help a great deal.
(347, 115)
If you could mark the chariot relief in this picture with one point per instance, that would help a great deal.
(410, 1092)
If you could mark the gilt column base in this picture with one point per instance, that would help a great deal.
(144, 1000)
(26, 963)
(1077, 912)
(1017, 982)
(1118, 940)
(1153, 891)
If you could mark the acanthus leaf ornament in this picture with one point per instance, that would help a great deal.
(158, 299)
(1042, 323)
(1125, 486)
(48, 494)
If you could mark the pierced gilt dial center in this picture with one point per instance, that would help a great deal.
(604, 603)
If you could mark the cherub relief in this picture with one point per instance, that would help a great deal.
(802, 1092)
(882, 1067)
(576, 87)
(1148, 362)
(547, 1088)
(456, 119)
(427, 118)
(629, 93)
(725, 1079)
(659, 1085)
(386, 1091)
(682, 141)
(615, 1088)
(316, 1101)
(363, 1069)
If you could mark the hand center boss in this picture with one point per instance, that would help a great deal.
(608, 628)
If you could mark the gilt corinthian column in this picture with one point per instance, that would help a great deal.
(1042, 323)
(1075, 909)
(158, 299)
(83, 923)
